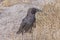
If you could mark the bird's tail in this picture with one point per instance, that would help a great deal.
(19, 31)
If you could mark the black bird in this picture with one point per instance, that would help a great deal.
(28, 21)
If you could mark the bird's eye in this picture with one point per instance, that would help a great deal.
(33, 11)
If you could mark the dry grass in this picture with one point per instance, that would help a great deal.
(48, 22)
(8, 3)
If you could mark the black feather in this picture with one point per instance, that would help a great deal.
(28, 21)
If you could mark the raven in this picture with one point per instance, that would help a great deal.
(28, 21)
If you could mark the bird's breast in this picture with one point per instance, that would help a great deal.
(30, 20)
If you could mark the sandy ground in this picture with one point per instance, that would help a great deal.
(47, 22)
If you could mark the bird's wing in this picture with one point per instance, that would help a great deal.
(29, 25)
(26, 25)
(22, 25)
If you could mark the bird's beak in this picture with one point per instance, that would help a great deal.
(39, 10)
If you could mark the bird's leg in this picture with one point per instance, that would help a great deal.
(30, 31)
(34, 26)
(19, 31)
(22, 36)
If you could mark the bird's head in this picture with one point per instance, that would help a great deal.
(34, 10)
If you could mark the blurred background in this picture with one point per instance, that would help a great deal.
(47, 22)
